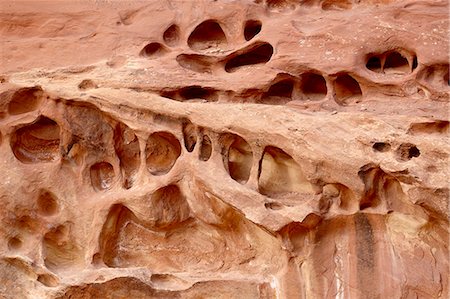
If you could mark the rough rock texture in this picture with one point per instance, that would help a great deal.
(224, 149)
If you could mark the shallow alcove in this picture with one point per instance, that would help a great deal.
(126, 145)
(102, 176)
(47, 203)
(239, 159)
(256, 54)
(37, 142)
(153, 50)
(172, 35)
(25, 100)
(280, 174)
(347, 90)
(381, 147)
(162, 151)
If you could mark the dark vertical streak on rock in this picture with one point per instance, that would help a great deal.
(365, 256)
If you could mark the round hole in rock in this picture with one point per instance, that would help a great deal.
(374, 64)
(102, 176)
(240, 159)
(347, 90)
(407, 151)
(153, 50)
(37, 142)
(313, 86)
(162, 151)
(381, 147)
(47, 204)
(396, 64)
(208, 34)
(172, 35)
(251, 29)
(14, 243)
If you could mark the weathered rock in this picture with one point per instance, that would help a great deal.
(224, 149)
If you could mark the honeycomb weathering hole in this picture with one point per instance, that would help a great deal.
(313, 86)
(256, 55)
(14, 243)
(381, 147)
(102, 176)
(162, 151)
(172, 35)
(392, 62)
(374, 64)
(205, 148)
(47, 203)
(189, 135)
(198, 92)
(118, 215)
(48, 280)
(279, 93)
(169, 207)
(347, 90)
(435, 76)
(396, 63)
(60, 249)
(195, 62)
(407, 151)
(37, 142)
(127, 149)
(251, 29)
(25, 100)
(239, 159)
(153, 50)
(87, 84)
(280, 174)
(208, 34)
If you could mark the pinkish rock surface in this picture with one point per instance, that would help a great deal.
(224, 149)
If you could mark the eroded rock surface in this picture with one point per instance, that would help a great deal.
(224, 149)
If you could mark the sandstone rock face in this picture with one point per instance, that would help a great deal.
(224, 149)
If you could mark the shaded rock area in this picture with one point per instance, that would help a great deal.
(224, 149)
